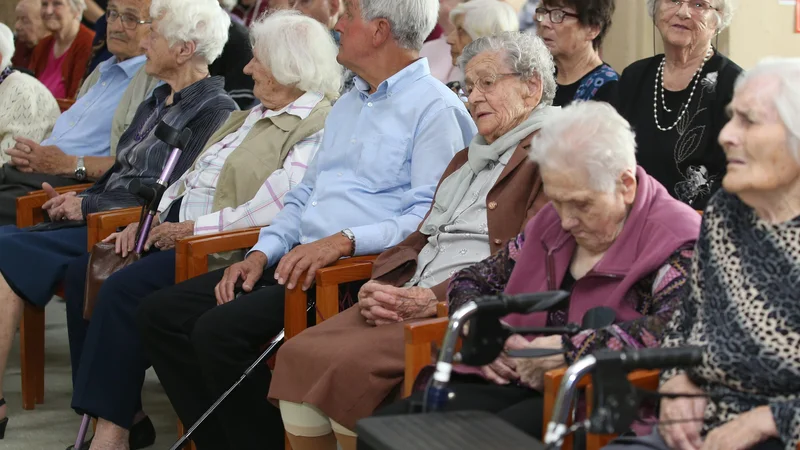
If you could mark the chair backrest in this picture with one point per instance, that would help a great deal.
(64, 103)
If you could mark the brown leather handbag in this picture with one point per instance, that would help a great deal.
(103, 262)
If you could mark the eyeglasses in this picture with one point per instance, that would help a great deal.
(695, 6)
(129, 21)
(486, 84)
(556, 15)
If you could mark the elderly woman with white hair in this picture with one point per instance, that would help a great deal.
(27, 108)
(743, 308)
(353, 363)
(611, 235)
(676, 101)
(238, 181)
(186, 35)
(59, 60)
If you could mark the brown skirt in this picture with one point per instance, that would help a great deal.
(343, 366)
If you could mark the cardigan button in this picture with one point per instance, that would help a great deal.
(492, 205)
(498, 242)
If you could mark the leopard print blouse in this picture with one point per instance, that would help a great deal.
(744, 309)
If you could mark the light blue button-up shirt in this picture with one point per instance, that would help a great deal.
(85, 128)
(381, 158)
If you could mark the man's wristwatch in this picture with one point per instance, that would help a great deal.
(349, 235)
(80, 170)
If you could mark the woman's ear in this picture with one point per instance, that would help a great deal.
(629, 185)
(535, 92)
(593, 32)
(186, 51)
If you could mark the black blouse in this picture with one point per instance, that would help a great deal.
(687, 159)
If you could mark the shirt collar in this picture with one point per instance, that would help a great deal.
(130, 66)
(301, 107)
(398, 81)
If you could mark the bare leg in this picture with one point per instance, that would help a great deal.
(346, 441)
(109, 436)
(325, 442)
(10, 314)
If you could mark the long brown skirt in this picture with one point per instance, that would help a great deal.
(343, 366)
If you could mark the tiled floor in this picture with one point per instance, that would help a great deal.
(53, 425)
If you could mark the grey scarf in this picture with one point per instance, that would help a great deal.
(479, 155)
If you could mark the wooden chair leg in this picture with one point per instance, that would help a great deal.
(31, 334)
(181, 432)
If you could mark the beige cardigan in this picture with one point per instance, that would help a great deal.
(27, 109)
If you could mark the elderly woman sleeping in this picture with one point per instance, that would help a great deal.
(676, 101)
(335, 373)
(239, 181)
(744, 305)
(611, 235)
(178, 52)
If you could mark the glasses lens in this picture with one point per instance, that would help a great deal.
(557, 16)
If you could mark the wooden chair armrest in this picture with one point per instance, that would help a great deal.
(419, 339)
(329, 278)
(442, 309)
(101, 225)
(29, 206)
(64, 103)
(192, 252)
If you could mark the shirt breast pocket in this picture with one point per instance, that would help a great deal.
(383, 163)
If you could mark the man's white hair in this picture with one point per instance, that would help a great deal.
(525, 53)
(299, 51)
(6, 46)
(592, 135)
(411, 20)
(724, 11)
(485, 17)
(786, 99)
(203, 22)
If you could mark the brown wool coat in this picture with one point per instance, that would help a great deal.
(348, 368)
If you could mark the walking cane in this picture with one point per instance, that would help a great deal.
(177, 140)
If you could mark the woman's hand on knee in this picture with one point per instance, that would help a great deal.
(125, 240)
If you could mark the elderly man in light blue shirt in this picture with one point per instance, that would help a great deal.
(80, 146)
(387, 142)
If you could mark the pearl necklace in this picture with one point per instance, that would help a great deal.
(685, 106)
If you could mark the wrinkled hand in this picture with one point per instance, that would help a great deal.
(62, 206)
(532, 370)
(383, 303)
(165, 235)
(30, 157)
(311, 257)
(743, 432)
(685, 433)
(249, 270)
(375, 312)
(504, 369)
(125, 240)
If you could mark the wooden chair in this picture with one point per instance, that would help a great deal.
(31, 330)
(64, 103)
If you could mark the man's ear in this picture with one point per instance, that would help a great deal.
(382, 32)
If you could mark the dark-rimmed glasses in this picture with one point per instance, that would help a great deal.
(556, 15)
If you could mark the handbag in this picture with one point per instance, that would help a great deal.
(104, 262)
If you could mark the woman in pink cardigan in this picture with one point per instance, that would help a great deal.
(612, 236)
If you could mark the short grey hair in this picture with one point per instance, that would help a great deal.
(411, 20)
(79, 6)
(203, 22)
(485, 17)
(787, 97)
(724, 12)
(6, 46)
(525, 53)
(299, 51)
(589, 134)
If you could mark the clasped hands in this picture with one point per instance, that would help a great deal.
(383, 304)
(28, 156)
(162, 235)
(528, 371)
(62, 207)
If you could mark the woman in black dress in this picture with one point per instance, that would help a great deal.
(573, 31)
(676, 101)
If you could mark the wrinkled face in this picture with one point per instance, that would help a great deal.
(57, 14)
(124, 42)
(28, 25)
(755, 142)
(355, 35)
(458, 38)
(568, 37)
(594, 218)
(161, 59)
(498, 99)
(686, 26)
(267, 89)
(319, 10)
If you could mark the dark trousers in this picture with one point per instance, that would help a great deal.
(520, 406)
(199, 349)
(108, 359)
(14, 183)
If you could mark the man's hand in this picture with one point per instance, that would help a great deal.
(504, 369)
(311, 257)
(743, 432)
(165, 235)
(532, 370)
(62, 206)
(30, 157)
(680, 419)
(249, 270)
